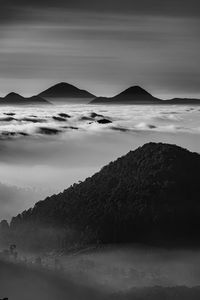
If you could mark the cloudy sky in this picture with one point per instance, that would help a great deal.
(103, 46)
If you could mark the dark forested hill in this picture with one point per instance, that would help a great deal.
(150, 194)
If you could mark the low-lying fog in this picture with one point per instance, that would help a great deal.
(45, 149)
(105, 273)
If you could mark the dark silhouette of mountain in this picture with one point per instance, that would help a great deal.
(132, 95)
(137, 95)
(151, 194)
(185, 101)
(65, 91)
(16, 99)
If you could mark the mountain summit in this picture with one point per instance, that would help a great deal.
(137, 95)
(134, 90)
(132, 95)
(16, 99)
(13, 97)
(150, 194)
(65, 90)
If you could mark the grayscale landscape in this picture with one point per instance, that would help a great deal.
(99, 150)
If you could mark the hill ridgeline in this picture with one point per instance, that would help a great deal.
(149, 195)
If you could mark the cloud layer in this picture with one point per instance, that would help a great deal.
(64, 120)
(49, 148)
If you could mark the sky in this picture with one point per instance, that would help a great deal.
(102, 46)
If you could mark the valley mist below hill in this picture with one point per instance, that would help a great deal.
(51, 159)
(149, 195)
(107, 273)
(58, 160)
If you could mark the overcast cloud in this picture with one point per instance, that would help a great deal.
(102, 46)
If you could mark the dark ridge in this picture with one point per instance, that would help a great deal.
(65, 90)
(23, 133)
(64, 115)
(95, 115)
(7, 119)
(33, 120)
(48, 131)
(59, 119)
(149, 195)
(122, 129)
(14, 96)
(151, 126)
(16, 99)
(132, 95)
(70, 127)
(8, 133)
(85, 118)
(104, 121)
(13, 133)
(134, 90)
(137, 95)
(186, 101)
(10, 114)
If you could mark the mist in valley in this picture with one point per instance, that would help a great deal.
(44, 164)
(99, 150)
(41, 164)
(111, 272)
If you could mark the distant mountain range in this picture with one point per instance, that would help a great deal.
(132, 95)
(61, 92)
(151, 195)
(16, 99)
(137, 95)
(65, 92)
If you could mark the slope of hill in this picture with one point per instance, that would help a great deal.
(184, 101)
(67, 93)
(137, 95)
(132, 95)
(16, 99)
(150, 194)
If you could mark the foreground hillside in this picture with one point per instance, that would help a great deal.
(151, 195)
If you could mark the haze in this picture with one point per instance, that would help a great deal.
(47, 154)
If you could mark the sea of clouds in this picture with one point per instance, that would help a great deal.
(54, 120)
(45, 149)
